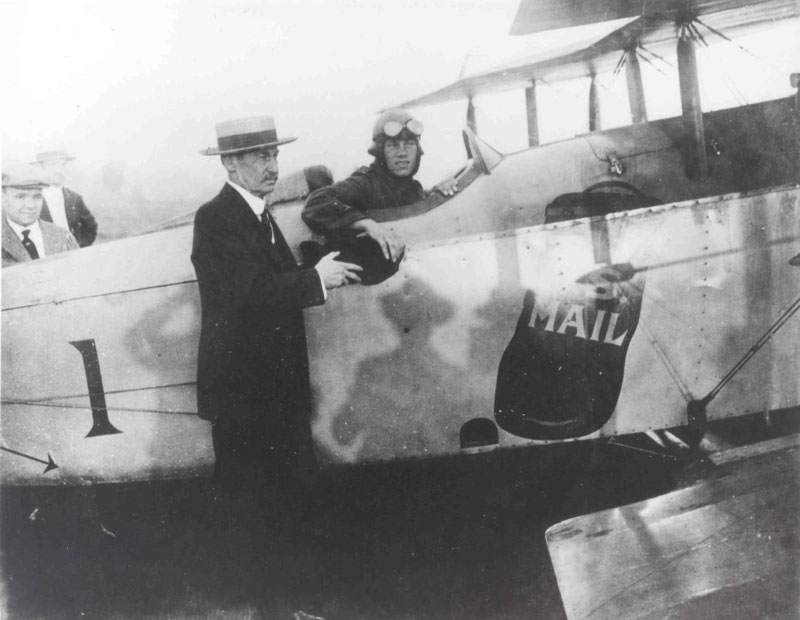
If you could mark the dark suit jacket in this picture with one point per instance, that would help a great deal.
(56, 240)
(331, 208)
(252, 361)
(81, 222)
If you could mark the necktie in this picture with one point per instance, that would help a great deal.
(29, 244)
(266, 224)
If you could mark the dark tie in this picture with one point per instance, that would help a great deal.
(29, 244)
(266, 224)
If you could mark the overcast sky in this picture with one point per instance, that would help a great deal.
(143, 82)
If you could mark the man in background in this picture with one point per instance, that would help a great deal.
(62, 206)
(25, 236)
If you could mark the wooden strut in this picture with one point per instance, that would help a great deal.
(595, 123)
(533, 116)
(471, 122)
(633, 75)
(697, 163)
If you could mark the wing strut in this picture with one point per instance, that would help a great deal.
(633, 74)
(533, 115)
(595, 123)
(690, 103)
(471, 122)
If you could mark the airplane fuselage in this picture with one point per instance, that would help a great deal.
(495, 321)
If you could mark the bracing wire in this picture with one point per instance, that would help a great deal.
(723, 73)
(741, 47)
(656, 56)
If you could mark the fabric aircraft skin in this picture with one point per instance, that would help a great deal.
(81, 222)
(56, 240)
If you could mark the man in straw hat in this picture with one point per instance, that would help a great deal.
(62, 206)
(252, 375)
(25, 236)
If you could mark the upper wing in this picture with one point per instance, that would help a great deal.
(599, 51)
(518, 65)
(540, 15)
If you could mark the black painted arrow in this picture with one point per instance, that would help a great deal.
(49, 462)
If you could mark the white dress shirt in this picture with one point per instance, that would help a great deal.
(258, 205)
(35, 235)
(54, 195)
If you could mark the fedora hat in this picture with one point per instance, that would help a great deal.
(246, 134)
(24, 176)
(58, 155)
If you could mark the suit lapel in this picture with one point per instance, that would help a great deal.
(278, 253)
(236, 210)
(70, 207)
(282, 249)
(12, 245)
(51, 237)
(275, 250)
(45, 214)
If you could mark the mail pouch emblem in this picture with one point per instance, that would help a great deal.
(562, 372)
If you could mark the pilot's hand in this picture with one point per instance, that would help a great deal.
(448, 187)
(335, 273)
(392, 246)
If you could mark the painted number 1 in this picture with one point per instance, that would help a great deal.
(97, 396)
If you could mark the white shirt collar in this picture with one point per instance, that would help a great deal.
(256, 204)
(18, 228)
(35, 234)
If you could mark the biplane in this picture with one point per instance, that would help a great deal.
(618, 282)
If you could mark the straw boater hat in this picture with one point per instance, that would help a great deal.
(59, 155)
(24, 177)
(246, 134)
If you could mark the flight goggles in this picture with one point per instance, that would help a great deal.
(392, 129)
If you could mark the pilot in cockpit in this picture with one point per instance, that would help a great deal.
(388, 182)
